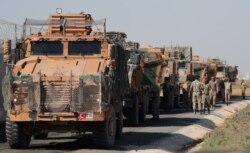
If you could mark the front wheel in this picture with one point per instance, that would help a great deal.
(17, 135)
(132, 114)
(105, 133)
(119, 125)
(144, 107)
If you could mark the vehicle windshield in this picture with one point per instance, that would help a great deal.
(220, 69)
(182, 65)
(148, 57)
(47, 48)
(131, 57)
(197, 68)
(84, 47)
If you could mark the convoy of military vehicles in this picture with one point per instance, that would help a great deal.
(72, 78)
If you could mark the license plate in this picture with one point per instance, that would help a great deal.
(90, 116)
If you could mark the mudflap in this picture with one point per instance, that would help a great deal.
(2, 132)
(2, 126)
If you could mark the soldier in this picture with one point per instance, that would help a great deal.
(221, 87)
(205, 87)
(243, 88)
(228, 90)
(196, 96)
(213, 91)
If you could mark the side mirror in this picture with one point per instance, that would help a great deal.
(7, 51)
(19, 52)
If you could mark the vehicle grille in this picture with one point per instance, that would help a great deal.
(71, 97)
(57, 96)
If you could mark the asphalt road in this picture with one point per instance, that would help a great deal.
(133, 137)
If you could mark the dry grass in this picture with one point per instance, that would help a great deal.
(233, 137)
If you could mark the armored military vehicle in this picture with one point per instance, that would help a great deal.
(221, 71)
(227, 71)
(179, 58)
(170, 94)
(136, 107)
(185, 76)
(69, 78)
(152, 65)
(183, 57)
(179, 52)
(217, 66)
(185, 71)
(136, 102)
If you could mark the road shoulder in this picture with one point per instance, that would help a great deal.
(193, 134)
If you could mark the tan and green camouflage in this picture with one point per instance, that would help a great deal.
(152, 65)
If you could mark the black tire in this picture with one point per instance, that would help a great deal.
(40, 135)
(2, 133)
(143, 108)
(119, 125)
(16, 135)
(105, 132)
(132, 114)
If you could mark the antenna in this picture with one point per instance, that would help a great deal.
(104, 26)
(24, 29)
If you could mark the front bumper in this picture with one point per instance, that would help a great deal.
(57, 117)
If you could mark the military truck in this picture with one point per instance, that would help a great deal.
(169, 91)
(227, 71)
(179, 52)
(179, 60)
(217, 66)
(152, 65)
(185, 71)
(69, 78)
(185, 77)
(221, 71)
(136, 105)
(183, 57)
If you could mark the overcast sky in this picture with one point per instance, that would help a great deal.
(214, 28)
